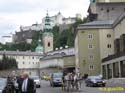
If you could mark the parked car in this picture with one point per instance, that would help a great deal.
(94, 81)
(3, 85)
(56, 79)
(36, 80)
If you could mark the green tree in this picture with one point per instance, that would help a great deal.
(7, 63)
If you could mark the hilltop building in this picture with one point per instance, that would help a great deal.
(27, 32)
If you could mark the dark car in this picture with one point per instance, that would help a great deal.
(56, 79)
(94, 81)
(3, 85)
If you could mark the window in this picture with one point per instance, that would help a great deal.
(90, 36)
(29, 62)
(48, 44)
(107, 10)
(32, 57)
(91, 57)
(113, 8)
(109, 46)
(91, 67)
(108, 35)
(23, 57)
(23, 62)
(90, 46)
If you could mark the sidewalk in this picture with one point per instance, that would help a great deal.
(110, 88)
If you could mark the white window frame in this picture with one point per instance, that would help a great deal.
(90, 46)
(91, 57)
(90, 36)
(91, 67)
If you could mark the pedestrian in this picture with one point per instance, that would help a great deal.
(27, 84)
(19, 82)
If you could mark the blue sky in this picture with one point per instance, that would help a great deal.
(14, 13)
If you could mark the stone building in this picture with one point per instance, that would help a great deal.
(105, 9)
(94, 42)
(27, 61)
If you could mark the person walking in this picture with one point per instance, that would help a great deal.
(27, 84)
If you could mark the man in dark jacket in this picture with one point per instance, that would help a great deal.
(27, 84)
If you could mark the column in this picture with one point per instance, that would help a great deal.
(119, 63)
(106, 71)
(112, 70)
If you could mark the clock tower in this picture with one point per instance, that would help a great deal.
(47, 35)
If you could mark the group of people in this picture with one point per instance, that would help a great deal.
(21, 84)
(72, 80)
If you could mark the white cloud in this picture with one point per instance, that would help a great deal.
(14, 13)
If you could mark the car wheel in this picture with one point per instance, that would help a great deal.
(39, 86)
(91, 85)
(103, 85)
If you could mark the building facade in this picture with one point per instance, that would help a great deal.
(113, 65)
(92, 44)
(105, 9)
(102, 40)
(56, 61)
(26, 61)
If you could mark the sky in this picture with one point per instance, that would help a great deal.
(14, 13)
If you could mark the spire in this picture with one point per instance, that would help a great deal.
(47, 25)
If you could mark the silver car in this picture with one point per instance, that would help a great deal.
(56, 79)
(36, 80)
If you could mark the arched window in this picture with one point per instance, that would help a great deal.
(48, 44)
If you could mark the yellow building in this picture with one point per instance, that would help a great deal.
(93, 42)
(113, 66)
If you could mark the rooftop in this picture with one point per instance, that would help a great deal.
(114, 56)
(20, 53)
(97, 24)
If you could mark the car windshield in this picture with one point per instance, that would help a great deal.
(2, 83)
(95, 78)
(57, 75)
(34, 77)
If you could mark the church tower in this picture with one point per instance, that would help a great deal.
(47, 35)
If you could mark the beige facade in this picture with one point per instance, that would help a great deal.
(47, 42)
(106, 39)
(69, 61)
(58, 61)
(93, 42)
(113, 65)
(27, 61)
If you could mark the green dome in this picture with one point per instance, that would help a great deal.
(39, 48)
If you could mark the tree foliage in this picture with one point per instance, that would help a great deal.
(67, 36)
(7, 63)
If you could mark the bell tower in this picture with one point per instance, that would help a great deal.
(47, 35)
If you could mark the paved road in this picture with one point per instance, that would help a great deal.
(45, 88)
